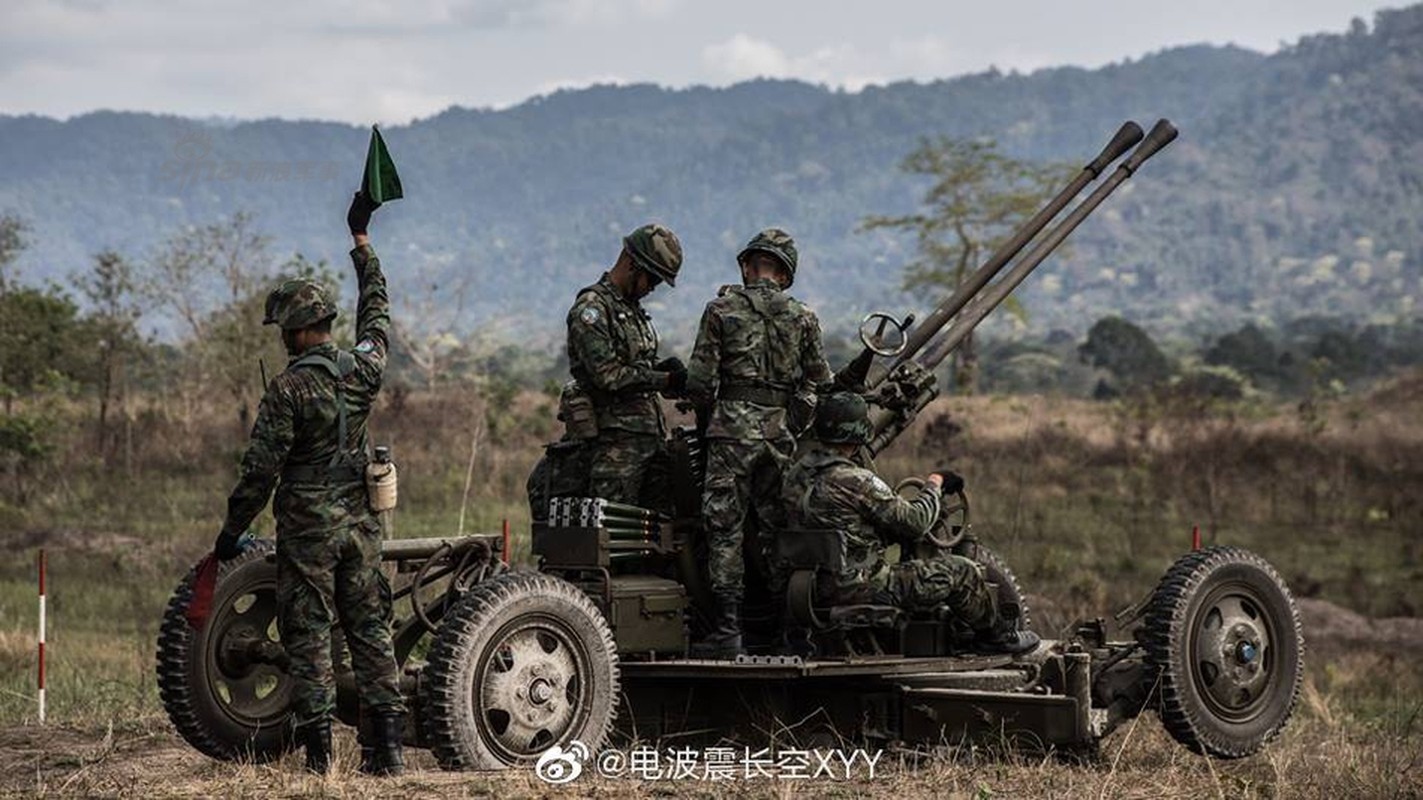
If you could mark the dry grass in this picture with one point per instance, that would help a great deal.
(1318, 757)
(1089, 503)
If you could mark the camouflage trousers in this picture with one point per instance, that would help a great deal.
(951, 580)
(628, 467)
(743, 477)
(325, 578)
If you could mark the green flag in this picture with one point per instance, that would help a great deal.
(381, 183)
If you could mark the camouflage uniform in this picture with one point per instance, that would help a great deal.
(825, 490)
(328, 539)
(757, 350)
(612, 349)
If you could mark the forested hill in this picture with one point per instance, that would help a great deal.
(1296, 186)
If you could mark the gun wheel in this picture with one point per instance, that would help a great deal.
(224, 687)
(522, 663)
(1223, 637)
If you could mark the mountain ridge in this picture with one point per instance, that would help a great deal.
(1286, 161)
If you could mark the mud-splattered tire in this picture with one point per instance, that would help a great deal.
(996, 570)
(1223, 639)
(226, 712)
(521, 663)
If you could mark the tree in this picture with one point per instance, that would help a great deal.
(1126, 351)
(978, 197)
(38, 354)
(12, 241)
(212, 281)
(1247, 350)
(112, 291)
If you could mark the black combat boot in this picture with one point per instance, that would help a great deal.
(383, 755)
(316, 738)
(1002, 635)
(366, 738)
(724, 641)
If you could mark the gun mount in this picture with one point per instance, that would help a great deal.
(906, 384)
(521, 662)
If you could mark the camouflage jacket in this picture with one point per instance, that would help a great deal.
(757, 348)
(825, 490)
(297, 422)
(612, 348)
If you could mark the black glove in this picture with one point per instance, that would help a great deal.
(676, 375)
(230, 546)
(953, 482)
(358, 217)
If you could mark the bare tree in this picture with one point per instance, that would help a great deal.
(212, 281)
(111, 288)
(977, 198)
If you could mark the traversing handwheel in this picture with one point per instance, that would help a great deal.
(951, 526)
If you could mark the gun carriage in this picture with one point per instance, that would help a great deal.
(498, 665)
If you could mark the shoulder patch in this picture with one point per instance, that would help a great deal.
(590, 315)
(365, 346)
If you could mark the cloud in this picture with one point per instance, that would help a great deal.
(742, 57)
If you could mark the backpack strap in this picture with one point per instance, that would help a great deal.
(339, 369)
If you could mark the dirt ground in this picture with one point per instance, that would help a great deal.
(1320, 755)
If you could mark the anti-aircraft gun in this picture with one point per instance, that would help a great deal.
(597, 640)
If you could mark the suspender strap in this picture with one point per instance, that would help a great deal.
(338, 470)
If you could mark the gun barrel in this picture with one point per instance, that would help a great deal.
(1127, 135)
(1162, 134)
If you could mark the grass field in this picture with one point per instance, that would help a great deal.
(1089, 502)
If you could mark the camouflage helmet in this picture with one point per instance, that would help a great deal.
(776, 243)
(843, 418)
(297, 304)
(655, 248)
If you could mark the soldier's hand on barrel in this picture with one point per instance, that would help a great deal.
(950, 481)
(358, 216)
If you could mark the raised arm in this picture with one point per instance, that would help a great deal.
(373, 304)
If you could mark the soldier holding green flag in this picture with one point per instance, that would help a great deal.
(309, 443)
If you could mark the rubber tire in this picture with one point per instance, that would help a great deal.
(474, 625)
(1169, 626)
(996, 570)
(183, 684)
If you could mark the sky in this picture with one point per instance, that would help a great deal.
(365, 61)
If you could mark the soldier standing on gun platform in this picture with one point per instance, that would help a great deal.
(758, 354)
(311, 433)
(612, 354)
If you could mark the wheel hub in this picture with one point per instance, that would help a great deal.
(1245, 652)
(1233, 648)
(247, 664)
(530, 690)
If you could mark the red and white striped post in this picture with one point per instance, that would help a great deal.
(42, 626)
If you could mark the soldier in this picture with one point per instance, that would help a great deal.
(612, 354)
(826, 489)
(758, 352)
(309, 441)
